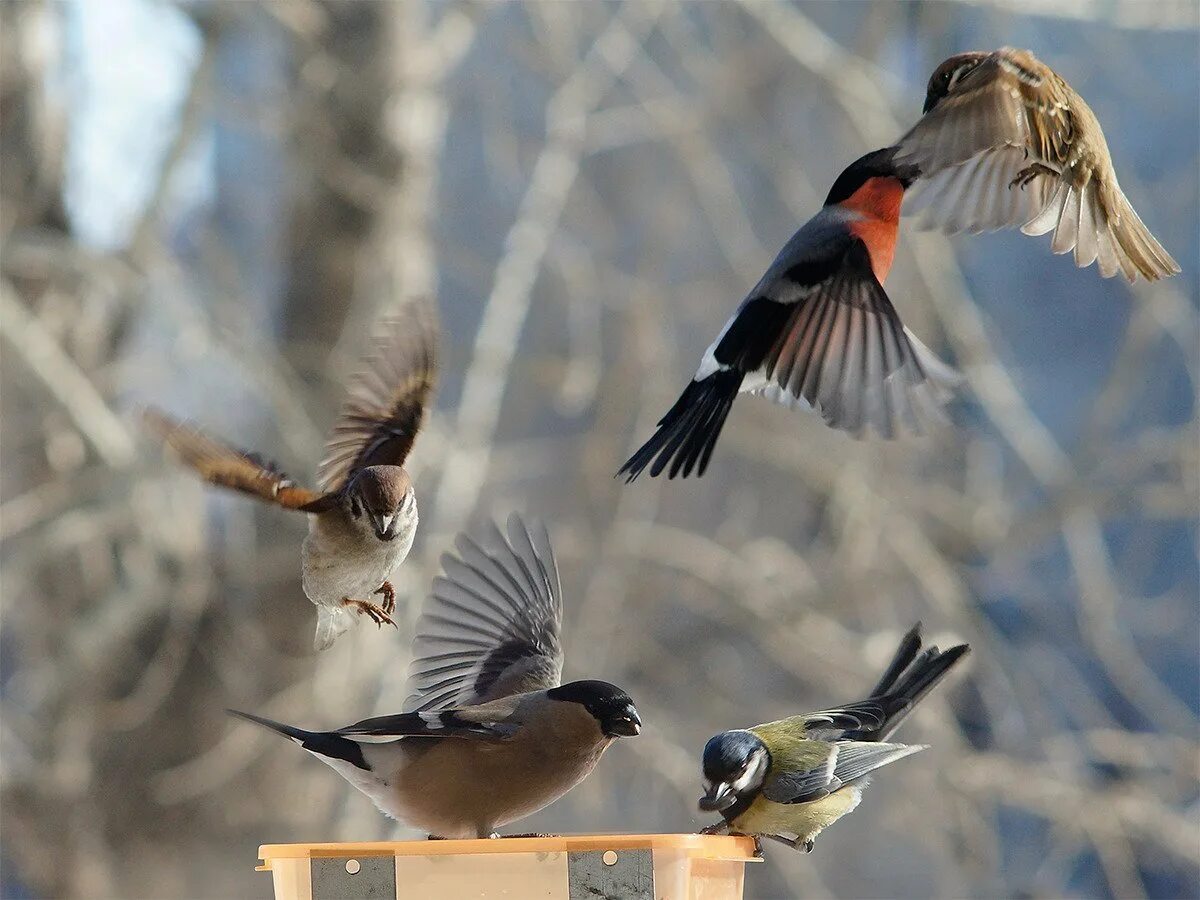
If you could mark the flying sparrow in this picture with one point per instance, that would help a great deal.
(817, 332)
(1006, 142)
(362, 520)
(491, 735)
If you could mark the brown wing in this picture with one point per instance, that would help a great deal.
(985, 130)
(228, 467)
(1009, 99)
(386, 402)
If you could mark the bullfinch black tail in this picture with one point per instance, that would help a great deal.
(321, 743)
(688, 433)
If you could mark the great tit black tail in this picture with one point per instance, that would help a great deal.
(911, 675)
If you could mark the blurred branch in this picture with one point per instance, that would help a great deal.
(69, 386)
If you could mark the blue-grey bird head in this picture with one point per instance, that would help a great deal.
(384, 496)
(735, 764)
(612, 708)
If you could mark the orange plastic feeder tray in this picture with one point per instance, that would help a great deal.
(615, 866)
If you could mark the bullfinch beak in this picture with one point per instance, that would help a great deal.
(719, 796)
(626, 725)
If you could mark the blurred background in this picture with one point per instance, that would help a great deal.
(205, 205)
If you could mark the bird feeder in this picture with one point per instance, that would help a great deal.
(618, 866)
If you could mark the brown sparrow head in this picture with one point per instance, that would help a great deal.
(1005, 142)
(385, 496)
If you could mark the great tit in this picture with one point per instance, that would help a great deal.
(790, 779)
(490, 736)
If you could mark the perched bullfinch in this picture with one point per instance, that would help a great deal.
(790, 779)
(491, 736)
(817, 332)
(1005, 142)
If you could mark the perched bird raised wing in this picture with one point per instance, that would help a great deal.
(226, 466)
(386, 402)
(1005, 142)
(818, 332)
(492, 626)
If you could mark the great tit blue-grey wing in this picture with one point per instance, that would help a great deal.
(386, 402)
(492, 627)
(846, 762)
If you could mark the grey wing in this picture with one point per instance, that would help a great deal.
(842, 349)
(803, 785)
(492, 627)
(848, 762)
(858, 758)
(458, 723)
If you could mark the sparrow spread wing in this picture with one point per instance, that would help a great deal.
(492, 627)
(1009, 113)
(228, 467)
(386, 402)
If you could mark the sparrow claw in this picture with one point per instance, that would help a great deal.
(1026, 175)
(389, 597)
(714, 828)
(373, 612)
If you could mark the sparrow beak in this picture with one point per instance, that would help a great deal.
(383, 527)
(627, 725)
(719, 796)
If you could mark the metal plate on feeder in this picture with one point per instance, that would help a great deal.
(357, 878)
(611, 875)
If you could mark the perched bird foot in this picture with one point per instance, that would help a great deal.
(389, 597)
(1029, 173)
(715, 828)
(366, 608)
(531, 834)
(808, 845)
(758, 848)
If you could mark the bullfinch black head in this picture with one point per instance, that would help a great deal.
(735, 764)
(612, 708)
(876, 164)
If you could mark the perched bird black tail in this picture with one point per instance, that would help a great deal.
(688, 432)
(911, 675)
(322, 743)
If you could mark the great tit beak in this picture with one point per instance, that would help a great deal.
(626, 725)
(719, 796)
(383, 526)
